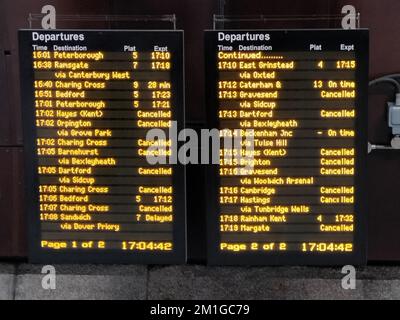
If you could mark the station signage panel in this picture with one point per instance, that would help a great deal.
(299, 98)
(88, 101)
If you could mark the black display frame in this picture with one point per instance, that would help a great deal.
(360, 38)
(105, 40)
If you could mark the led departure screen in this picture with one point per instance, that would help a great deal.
(88, 100)
(296, 196)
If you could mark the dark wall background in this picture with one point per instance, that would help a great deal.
(193, 16)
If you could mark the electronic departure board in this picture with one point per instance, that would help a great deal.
(88, 101)
(298, 98)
